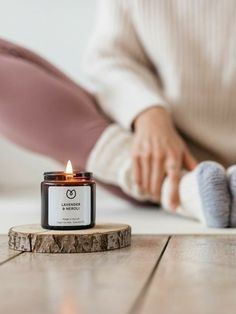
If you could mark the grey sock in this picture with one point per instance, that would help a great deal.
(214, 194)
(232, 189)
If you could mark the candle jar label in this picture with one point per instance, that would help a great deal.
(69, 206)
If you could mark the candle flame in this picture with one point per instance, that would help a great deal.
(69, 168)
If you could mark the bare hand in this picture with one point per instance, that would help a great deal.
(159, 151)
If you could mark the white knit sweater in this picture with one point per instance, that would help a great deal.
(175, 53)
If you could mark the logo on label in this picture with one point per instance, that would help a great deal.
(71, 194)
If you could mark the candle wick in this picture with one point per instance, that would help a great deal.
(69, 176)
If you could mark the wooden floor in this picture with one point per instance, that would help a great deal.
(157, 274)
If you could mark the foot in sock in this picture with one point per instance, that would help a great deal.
(203, 195)
(231, 174)
(214, 194)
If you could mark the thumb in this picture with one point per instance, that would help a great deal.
(189, 161)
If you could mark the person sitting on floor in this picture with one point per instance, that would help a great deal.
(159, 124)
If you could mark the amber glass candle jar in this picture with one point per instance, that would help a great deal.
(68, 200)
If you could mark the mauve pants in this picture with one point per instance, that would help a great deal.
(45, 111)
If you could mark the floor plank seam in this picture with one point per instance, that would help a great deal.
(136, 307)
(10, 258)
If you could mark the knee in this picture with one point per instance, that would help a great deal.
(9, 49)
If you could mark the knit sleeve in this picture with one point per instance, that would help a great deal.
(125, 82)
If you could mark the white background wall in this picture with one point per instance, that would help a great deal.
(59, 30)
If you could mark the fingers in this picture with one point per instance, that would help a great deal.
(157, 176)
(173, 171)
(142, 157)
(188, 160)
(146, 171)
(150, 171)
(137, 169)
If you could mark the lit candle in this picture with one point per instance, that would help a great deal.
(68, 200)
(69, 170)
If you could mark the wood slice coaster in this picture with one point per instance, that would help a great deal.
(103, 237)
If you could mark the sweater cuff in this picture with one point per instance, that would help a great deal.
(139, 104)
